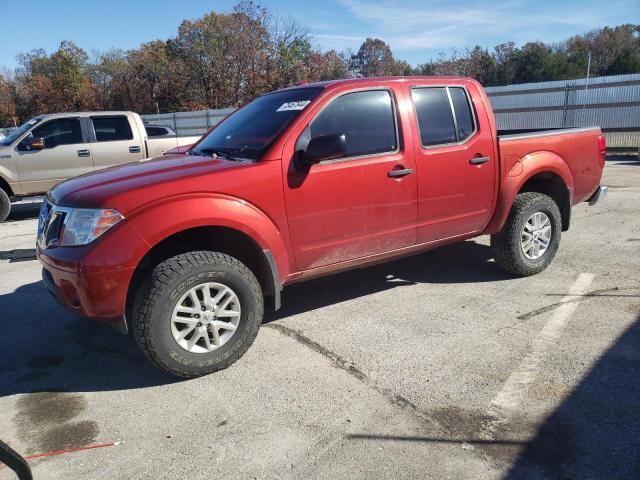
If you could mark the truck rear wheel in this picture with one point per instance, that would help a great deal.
(5, 205)
(197, 313)
(530, 237)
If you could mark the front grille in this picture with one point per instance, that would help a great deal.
(50, 224)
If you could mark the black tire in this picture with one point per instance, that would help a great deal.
(5, 205)
(506, 244)
(159, 293)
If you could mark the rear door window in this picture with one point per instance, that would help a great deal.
(109, 129)
(366, 118)
(435, 118)
(464, 116)
(444, 115)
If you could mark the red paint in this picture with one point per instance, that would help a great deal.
(339, 215)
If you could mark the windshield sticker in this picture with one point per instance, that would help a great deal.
(285, 107)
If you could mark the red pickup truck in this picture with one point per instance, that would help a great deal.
(186, 249)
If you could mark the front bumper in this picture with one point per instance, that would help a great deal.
(93, 280)
(100, 296)
(598, 195)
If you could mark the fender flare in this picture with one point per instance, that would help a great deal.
(522, 171)
(172, 215)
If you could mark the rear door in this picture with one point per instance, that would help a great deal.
(66, 154)
(353, 206)
(455, 164)
(114, 141)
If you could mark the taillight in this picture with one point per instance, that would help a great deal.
(602, 149)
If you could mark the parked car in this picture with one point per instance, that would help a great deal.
(302, 182)
(51, 148)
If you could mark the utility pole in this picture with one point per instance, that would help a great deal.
(586, 84)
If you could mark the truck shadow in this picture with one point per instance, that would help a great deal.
(46, 348)
(24, 211)
(593, 433)
(465, 262)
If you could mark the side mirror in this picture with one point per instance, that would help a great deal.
(325, 147)
(33, 143)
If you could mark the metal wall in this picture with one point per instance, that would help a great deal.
(612, 103)
(189, 123)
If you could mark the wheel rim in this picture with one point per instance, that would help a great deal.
(536, 236)
(205, 317)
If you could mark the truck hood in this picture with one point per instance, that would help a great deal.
(99, 188)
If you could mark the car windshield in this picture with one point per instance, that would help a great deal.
(9, 139)
(248, 133)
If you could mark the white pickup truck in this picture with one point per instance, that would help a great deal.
(50, 148)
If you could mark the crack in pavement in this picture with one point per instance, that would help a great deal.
(354, 371)
(595, 293)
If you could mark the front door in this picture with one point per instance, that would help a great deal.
(65, 154)
(353, 206)
(455, 162)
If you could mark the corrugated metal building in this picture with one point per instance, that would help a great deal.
(189, 123)
(612, 103)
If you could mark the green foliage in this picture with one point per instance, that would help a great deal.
(227, 59)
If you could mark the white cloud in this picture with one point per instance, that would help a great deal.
(417, 25)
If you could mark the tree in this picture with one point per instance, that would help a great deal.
(481, 66)
(374, 59)
(227, 59)
(109, 77)
(626, 61)
(427, 69)
(7, 101)
(56, 82)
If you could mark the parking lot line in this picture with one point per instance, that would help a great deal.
(513, 390)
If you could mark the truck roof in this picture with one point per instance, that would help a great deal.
(366, 80)
(84, 114)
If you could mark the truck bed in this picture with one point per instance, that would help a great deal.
(572, 146)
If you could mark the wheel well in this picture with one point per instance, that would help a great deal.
(219, 239)
(5, 186)
(552, 185)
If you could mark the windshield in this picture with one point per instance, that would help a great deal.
(9, 139)
(249, 132)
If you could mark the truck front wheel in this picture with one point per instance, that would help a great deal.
(530, 237)
(5, 205)
(197, 313)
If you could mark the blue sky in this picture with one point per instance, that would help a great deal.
(417, 30)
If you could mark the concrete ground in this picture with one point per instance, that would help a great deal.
(437, 366)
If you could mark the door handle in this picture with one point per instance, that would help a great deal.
(479, 160)
(84, 153)
(399, 173)
(135, 149)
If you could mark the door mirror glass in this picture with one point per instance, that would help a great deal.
(324, 147)
(33, 143)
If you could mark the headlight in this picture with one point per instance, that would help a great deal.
(83, 225)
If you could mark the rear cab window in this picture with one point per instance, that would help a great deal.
(157, 131)
(444, 115)
(366, 118)
(114, 128)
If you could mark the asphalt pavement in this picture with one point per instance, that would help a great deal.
(435, 366)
